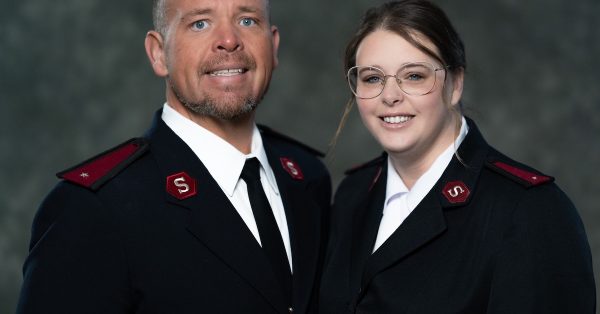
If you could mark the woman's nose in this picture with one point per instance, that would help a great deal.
(391, 94)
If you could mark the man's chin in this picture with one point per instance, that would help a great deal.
(223, 109)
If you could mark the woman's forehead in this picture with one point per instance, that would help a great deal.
(383, 46)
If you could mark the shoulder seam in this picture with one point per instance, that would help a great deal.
(367, 164)
(267, 130)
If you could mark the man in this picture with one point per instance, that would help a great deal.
(169, 223)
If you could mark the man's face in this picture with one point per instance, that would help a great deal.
(218, 56)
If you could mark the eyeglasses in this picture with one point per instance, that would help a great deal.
(415, 79)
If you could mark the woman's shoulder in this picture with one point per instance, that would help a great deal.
(533, 201)
(535, 192)
(364, 176)
(374, 163)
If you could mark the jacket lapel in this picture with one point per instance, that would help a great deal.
(365, 222)
(421, 226)
(213, 219)
(304, 225)
(216, 223)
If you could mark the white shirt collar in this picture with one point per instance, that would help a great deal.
(223, 161)
(395, 186)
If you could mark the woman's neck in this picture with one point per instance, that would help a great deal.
(411, 165)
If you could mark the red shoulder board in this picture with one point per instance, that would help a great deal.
(96, 171)
(520, 175)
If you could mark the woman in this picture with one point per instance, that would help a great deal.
(442, 222)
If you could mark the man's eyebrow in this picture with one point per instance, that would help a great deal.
(248, 9)
(243, 9)
(196, 12)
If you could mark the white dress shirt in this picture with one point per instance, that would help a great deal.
(225, 163)
(400, 201)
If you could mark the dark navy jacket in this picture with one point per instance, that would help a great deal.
(492, 236)
(124, 244)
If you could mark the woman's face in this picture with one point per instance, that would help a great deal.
(409, 127)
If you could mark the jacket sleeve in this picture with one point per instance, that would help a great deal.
(544, 264)
(76, 263)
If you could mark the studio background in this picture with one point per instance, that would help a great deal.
(75, 81)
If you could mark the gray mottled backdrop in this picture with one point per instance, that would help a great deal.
(74, 81)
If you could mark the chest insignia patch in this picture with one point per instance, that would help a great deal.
(181, 185)
(292, 168)
(456, 192)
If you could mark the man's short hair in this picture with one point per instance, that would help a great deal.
(159, 16)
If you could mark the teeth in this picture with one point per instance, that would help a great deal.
(227, 72)
(397, 119)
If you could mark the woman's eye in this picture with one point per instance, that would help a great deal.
(247, 22)
(373, 79)
(413, 77)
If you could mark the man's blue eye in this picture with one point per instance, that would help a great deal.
(247, 22)
(200, 25)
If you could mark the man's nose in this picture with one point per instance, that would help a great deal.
(228, 39)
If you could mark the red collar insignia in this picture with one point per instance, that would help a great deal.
(181, 185)
(292, 168)
(456, 192)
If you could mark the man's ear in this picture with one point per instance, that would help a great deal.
(275, 39)
(155, 49)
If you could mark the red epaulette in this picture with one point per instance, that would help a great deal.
(96, 171)
(269, 131)
(367, 164)
(518, 173)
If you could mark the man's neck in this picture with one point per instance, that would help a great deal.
(237, 132)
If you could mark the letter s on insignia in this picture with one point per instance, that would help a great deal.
(292, 168)
(456, 192)
(180, 183)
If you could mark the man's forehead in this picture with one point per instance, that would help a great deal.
(214, 5)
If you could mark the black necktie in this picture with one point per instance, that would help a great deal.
(270, 237)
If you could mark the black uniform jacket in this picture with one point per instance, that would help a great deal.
(492, 236)
(127, 245)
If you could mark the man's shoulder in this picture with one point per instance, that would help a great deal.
(94, 172)
(276, 137)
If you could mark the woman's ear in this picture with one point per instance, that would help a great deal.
(155, 49)
(457, 86)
